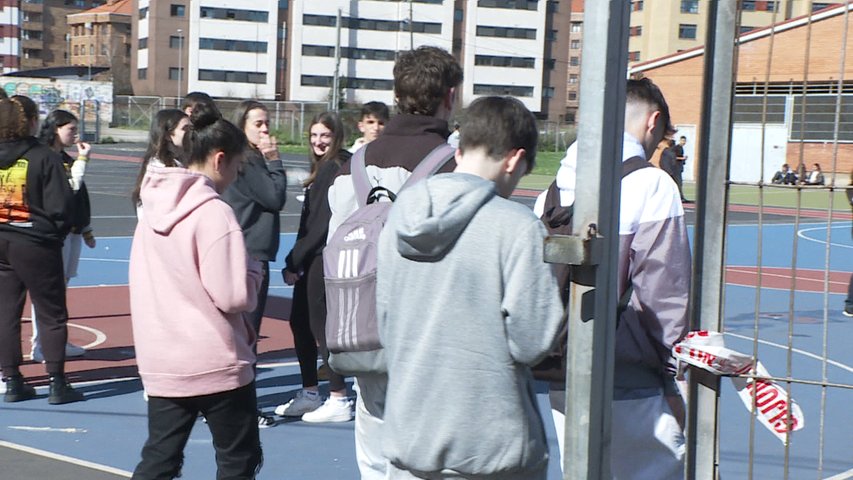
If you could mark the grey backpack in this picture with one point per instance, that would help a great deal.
(349, 266)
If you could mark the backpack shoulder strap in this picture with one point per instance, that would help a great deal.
(633, 164)
(430, 164)
(360, 181)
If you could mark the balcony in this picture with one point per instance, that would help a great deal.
(32, 43)
(32, 6)
(28, 63)
(35, 25)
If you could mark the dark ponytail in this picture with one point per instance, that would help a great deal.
(211, 133)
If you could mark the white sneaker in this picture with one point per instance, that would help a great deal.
(71, 350)
(299, 405)
(334, 409)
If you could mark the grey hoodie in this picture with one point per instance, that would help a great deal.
(465, 305)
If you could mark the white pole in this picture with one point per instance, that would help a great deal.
(180, 63)
(336, 80)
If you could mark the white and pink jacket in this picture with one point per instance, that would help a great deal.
(190, 282)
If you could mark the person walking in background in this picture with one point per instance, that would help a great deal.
(464, 288)
(59, 131)
(191, 281)
(35, 217)
(165, 147)
(425, 85)
(678, 169)
(374, 116)
(257, 197)
(668, 162)
(304, 270)
(193, 99)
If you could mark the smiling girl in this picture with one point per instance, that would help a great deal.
(304, 270)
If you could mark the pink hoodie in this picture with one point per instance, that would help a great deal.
(190, 281)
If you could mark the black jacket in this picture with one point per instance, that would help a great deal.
(314, 221)
(35, 197)
(257, 197)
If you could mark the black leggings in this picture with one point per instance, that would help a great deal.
(27, 266)
(308, 324)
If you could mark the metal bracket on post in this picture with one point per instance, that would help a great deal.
(573, 250)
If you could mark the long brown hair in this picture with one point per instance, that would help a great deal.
(332, 121)
(13, 120)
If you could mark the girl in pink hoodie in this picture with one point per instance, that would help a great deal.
(191, 280)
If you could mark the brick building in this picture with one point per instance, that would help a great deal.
(802, 91)
(100, 37)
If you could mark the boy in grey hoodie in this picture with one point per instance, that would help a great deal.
(465, 305)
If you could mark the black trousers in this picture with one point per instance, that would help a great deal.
(26, 266)
(308, 324)
(232, 419)
(257, 314)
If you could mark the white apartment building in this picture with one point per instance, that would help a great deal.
(371, 34)
(10, 44)
(503, 45)
(232, 48)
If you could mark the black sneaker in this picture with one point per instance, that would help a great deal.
(62, 392)
(17, 390)
(265, 421)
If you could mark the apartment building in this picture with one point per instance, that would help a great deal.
(506, 47)
(573, 71)
(662, 27)
(10, 33)
(101, 37)
(227, 48)
(371, 34)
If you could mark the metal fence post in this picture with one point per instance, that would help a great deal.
(709, 240)
(594, 247)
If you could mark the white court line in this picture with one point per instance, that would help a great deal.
(47, 429)
(66, 459)
(795, 350)
(842, 476)
(109, 260)
(802, 231)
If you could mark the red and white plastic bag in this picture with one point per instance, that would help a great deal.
(706, 350)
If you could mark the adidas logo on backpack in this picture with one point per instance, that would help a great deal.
(349, 266)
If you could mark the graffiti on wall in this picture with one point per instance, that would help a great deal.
(94, 98)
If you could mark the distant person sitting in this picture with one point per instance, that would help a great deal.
(815, 177)
(785, 176)
(374, 116)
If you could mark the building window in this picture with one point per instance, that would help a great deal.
(633, 56)
(353, 23)
(689, 6)
(512, 90)
(142, 73)
(497, 61)
(687, 31)
(820, 6)
(577, 27)
(509, 4)
(175, 41)
(349, 52)
(573, 79)
(575, 44)
(175, 73)
(143, 12)
(573, 95)
(637, 6)
(231, 76)
(574, 61)
(635, 31)
(76, 49)
(177, 10)
(233, 45)
(234, 14)
(143, 43)
(92, 49)
(103, 49)
(548, 92)
(550, 63)
(760, 5)
(506, 32)
(746, 28)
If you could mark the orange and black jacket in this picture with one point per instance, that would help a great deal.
(35, 197)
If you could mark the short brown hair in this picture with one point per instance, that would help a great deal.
(499, 125)
(423, 77)
(646, 92)
(13, 120)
